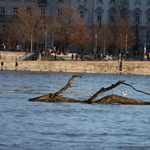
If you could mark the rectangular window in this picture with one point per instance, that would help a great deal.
(43, 13)
(112, 18)
(29, 11)
(15, 12)
(60, 0)
(99, 17)
(137, 18)
(41, 1)
(2, 12)
(3, 27)
(29, 0)
(59, 12)
(137, 2)
(148, 35)
(112, 1)
(148, 19)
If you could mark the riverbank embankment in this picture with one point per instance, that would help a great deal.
(104, 67)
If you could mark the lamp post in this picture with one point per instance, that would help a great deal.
(144, 51)
(45, 41)
(126, 40)
(95, 48)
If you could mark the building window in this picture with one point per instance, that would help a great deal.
(29, 11)
(148, 18)
(112, 18)
(2, 12)
(85, 0)
(137, 2)
(99, 17)
(148, 36)
(112, 1)
(43, 13)
(15, 12)
(60, 0)
(137, 18)
(81, 14)
(99, 1)
(59, 12)
(3, 27)
(42, 1)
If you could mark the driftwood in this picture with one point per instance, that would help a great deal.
(110, 99)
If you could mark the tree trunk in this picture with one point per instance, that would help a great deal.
(31, 43)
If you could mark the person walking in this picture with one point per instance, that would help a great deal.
(55, 57)
(2, 65)
(76, 57)
(16, 64)
(72, 56)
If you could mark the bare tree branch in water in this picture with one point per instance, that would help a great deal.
(135, 88)
(102, 90)
(110, 99)
(66, 86)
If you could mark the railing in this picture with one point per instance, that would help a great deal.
(42, 3)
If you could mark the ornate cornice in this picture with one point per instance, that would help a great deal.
(137, 10)
(99, 9)
(82, 8)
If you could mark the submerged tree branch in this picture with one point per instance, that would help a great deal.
(109, 99)
(65, 87)
(135, 88)
(102, 90)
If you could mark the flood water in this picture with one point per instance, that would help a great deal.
(26, 125)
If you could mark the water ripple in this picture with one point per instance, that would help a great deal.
(65, 126)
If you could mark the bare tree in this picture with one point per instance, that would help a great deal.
(105, 37)
(68, 20)
(8, 36)
(29, 25)
(82, 36)
(94, 30)
(124, 34)
(120, 9)
(53, 27)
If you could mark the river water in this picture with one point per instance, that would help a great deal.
(26, 125)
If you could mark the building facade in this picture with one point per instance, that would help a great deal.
(101, 11)
(93, 11)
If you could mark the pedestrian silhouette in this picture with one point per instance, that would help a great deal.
(16, 64)
(2, 65)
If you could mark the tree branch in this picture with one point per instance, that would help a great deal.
(102, 90)
(135, 88)
(65, 87)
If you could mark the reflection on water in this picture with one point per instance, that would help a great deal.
(37, 125)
